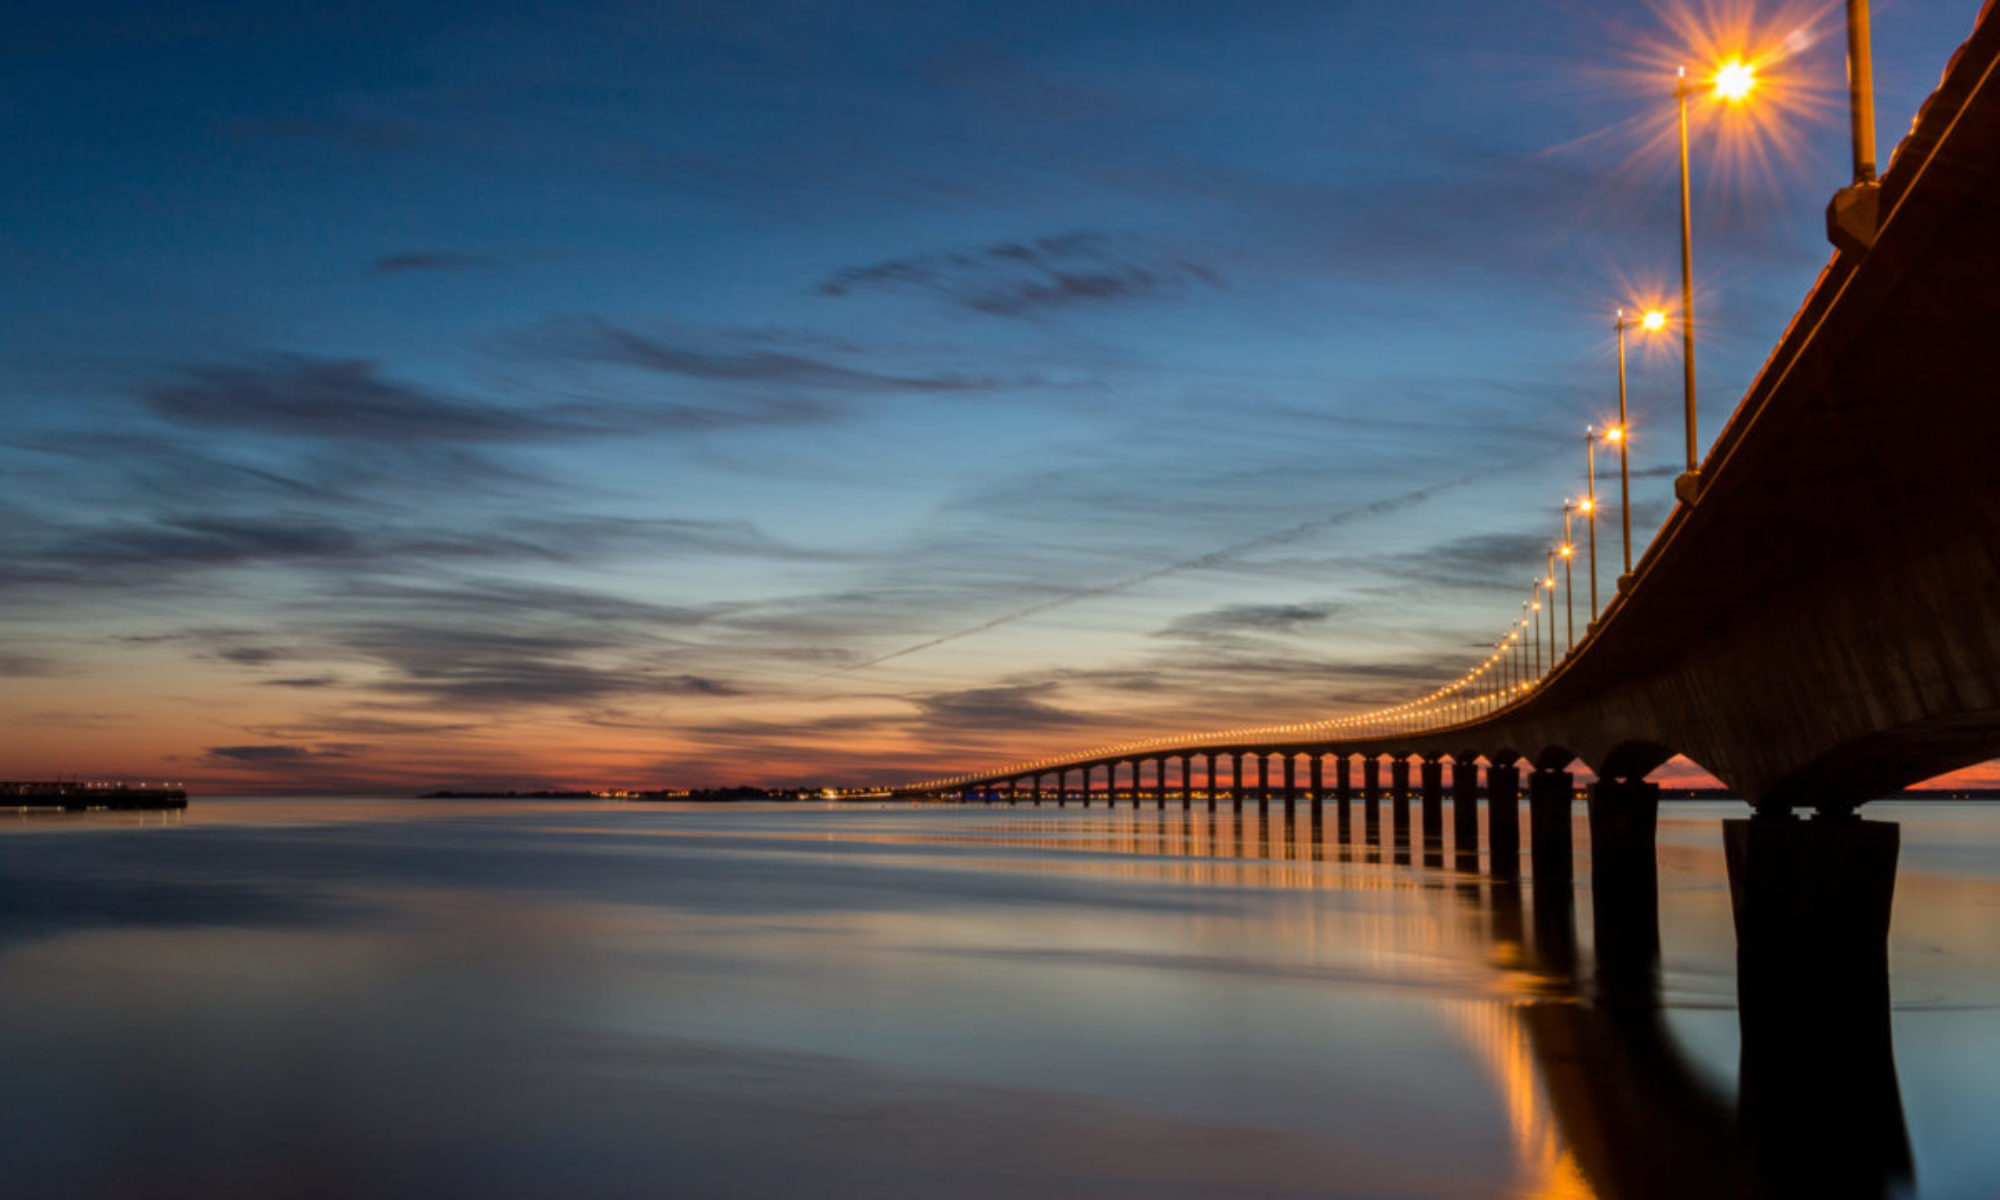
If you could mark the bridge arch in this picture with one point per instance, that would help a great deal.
(1633, 759)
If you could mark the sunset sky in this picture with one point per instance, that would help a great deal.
(534, 394)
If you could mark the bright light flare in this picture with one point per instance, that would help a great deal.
(1734, 80)
(1653, 321)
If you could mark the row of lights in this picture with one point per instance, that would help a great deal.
(1515, 671)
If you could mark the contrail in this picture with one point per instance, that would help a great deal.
(1303, 529)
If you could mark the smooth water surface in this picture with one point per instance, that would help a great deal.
(344, 996)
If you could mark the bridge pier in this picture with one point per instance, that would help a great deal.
(1236, 780)
(1812, 904)
(1551, 848)
(1291, 781)
(1316, 779)
(1399, 807)
(1465, 808)
(1625, 883)
(1503, 819)
(1371, 795)
(1211, 783)
(1263, 781)
(1160, 774)
(1811, 901)
(1187, 782)
(1431, 777)
(1037, 792)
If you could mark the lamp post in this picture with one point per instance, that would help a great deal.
(1549, 582)
(1854, 214)
(1589, 507)
(1650, 322)
(1569, 578)
(1732, 82)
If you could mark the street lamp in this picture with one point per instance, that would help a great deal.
(1549, 582)
(1854, 214)
(1733, 82)
(1589, 508)
(1569, 576)
(1652, 321)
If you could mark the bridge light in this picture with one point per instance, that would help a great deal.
(1734, 80)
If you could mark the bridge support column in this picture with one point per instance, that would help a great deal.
(1465, 810)
(1211, 783)
(1263, 781)
(1343, 779)
(1160, 781)
(1399, 802)
(1552, 853)
(1316, 779)
(1037, 792)
(1503, 820)
(1812, 901)
(1431, 776)
(1625, 883)
(1371, 796)
(1291, 781)
(1236, 778)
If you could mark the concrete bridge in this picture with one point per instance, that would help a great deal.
(1818, 624)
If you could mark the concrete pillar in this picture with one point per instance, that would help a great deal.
(1343, 778)
(1503, 819)
(1236, 777)
(1430, 777)
(1812, 902)
(1552, 853)
(1291, 780)
(1371, 798)
(1263, 779)
(1211, 783)
(1399, 801)
(1038, 789)
(1625, 884)
(1316, 779)
(1465, 807)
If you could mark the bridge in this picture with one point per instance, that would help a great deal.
(1817, 623)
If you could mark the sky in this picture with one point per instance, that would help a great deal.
(696, 392)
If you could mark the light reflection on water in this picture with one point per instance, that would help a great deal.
(341, 996)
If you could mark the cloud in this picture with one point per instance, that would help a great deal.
(412, 261)
(1015, 279)
(296, 396)
(1234, 620)
(279, 755)
(29, 666)
(304, 681)
(591, 339)
(1007, 708)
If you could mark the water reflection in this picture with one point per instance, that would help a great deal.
(1602, 1099)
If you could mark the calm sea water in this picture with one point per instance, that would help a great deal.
(341, 996)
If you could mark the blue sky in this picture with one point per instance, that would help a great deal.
(582, 393)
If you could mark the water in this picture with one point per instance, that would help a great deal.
(349, 997)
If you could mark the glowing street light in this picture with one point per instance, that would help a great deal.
(1653, 320)
(1732, 82)
(1569, 576)
(1588, 507)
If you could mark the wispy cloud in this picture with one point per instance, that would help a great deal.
(1016, 279)
(420, 261)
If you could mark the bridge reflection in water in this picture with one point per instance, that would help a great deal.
(1601, 1098)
